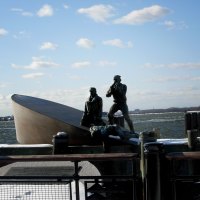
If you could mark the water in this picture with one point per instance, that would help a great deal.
(171, 125)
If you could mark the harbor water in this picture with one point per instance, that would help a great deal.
(171, 125)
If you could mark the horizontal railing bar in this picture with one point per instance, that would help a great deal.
(35, 178)
(70, 157)
(195, 155)
(186, 178)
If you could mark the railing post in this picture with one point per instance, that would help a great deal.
(76, 178)
(192, 139)
(153, 178)
(60, 143)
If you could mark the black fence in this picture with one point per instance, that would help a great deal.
(31, 181)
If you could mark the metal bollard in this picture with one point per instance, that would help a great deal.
(153, 175)
(192, 139)
(60, 143)
(192, 128)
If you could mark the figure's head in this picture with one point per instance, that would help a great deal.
(93, 91)
(117, 78)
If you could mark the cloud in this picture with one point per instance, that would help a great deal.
(99, 13)
(75, 77)
(37, 63)
(45, 11)
(144, 15)
(22, 12)
(48, 45)
(106, 63)
(33, 75)
(118, 43)
(65, 6)
(85, 43)
(175, 78)
(16, 9)
(21, 35)
(171, 25)
(27, 14)
(188, 65)
(3, 85)
(79, 65)
(3, 32)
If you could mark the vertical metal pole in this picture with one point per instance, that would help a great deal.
(76, 180)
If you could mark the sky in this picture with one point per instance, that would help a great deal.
(57, 50)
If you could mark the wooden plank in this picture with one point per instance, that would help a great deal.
(184, 155)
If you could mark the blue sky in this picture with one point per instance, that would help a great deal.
(57, 50)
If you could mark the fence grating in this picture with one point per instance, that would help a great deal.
(35, 190)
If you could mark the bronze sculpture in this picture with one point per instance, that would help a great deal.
(118, 91)
(93, 110)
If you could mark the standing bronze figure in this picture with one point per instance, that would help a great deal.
(93, 110)
(118, 91)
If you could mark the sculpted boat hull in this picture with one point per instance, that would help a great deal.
(38, 120)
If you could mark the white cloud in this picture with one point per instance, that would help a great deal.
(106, 63)
(79, 65)
(3, 32)
(75, 77)
(65, 6)
(118, 43)
(21, 35)
(22, 12)
(27, 14)
(184, 65)
(144, 15)
(188, 65)
(85, 43)
(37, 63)
(45, 11)
(171, 25)
(16, 9)
(99, 13)
(176, 78)
(48, 45)
(3, 85)
(33, 75)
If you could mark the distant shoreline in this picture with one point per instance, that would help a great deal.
(136, 111)
(173, 109)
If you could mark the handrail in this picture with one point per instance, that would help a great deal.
(5, 160)
(183, 155)
(70, 157)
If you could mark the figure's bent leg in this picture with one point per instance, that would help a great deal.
(129, 122)
(112, 111)
(127, 118)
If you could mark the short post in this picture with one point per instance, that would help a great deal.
(60, 143)
(192, 128)
(153, 178)
(192, 139)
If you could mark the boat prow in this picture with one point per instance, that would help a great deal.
(38, 120)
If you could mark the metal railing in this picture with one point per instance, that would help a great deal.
(184, 175)
(51, 186)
